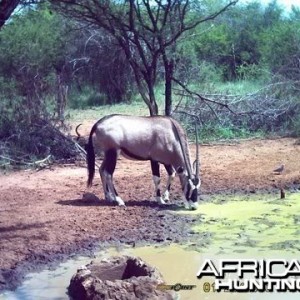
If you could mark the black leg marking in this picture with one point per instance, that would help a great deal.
(110, 161)
(156, 179)
(108, 166)
(155, 172)
(170, 170)
(115, 192)
(155, 168)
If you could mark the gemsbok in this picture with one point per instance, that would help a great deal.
(159, 139)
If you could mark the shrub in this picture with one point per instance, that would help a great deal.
(86, 98)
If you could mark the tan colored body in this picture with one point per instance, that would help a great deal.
(144, 137)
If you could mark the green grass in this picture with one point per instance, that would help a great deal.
(136, 108)
(216, 132)
(238, 87)
(94, 113)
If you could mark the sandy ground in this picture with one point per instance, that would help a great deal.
(44, 216)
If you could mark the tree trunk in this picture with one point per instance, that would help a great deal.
(153, 108)
(6, 9)
(169, 66)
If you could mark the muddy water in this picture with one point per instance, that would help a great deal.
(257, 227)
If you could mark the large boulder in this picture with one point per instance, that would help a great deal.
(122, 277)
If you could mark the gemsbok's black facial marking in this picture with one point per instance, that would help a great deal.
(180, 170)
(194, 195)
(187, 192)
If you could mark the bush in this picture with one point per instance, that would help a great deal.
(86, 98)
(274, 108)
(252, 72)
(28, 135)
(294, 128)
(209, 73)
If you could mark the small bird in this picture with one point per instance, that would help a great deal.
(282, 193)
(279, 170)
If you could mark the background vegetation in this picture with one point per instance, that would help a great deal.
(240, 74)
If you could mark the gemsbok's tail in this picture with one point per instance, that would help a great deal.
(90, 157)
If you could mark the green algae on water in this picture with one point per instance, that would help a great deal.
(255, 225)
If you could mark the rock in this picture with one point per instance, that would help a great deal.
(122, 277)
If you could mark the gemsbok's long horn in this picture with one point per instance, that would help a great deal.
(197, 151)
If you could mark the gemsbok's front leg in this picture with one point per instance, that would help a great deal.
(171, 175)
(156, 180)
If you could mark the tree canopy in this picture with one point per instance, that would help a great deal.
(147, 32)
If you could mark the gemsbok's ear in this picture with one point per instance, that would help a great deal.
(179, 170)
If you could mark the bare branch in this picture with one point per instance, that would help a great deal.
(193, 25)
(200, 97)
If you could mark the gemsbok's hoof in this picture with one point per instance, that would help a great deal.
(109, 198)
(191, 205)
(160, 201)
(194, 205)
(166, 196)
(186, 205)
(120, 201)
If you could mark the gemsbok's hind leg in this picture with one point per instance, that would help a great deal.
(106, 172)
(171, 174)
(156, 180)
(107, 194)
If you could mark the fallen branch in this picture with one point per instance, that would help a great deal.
(42, 162)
